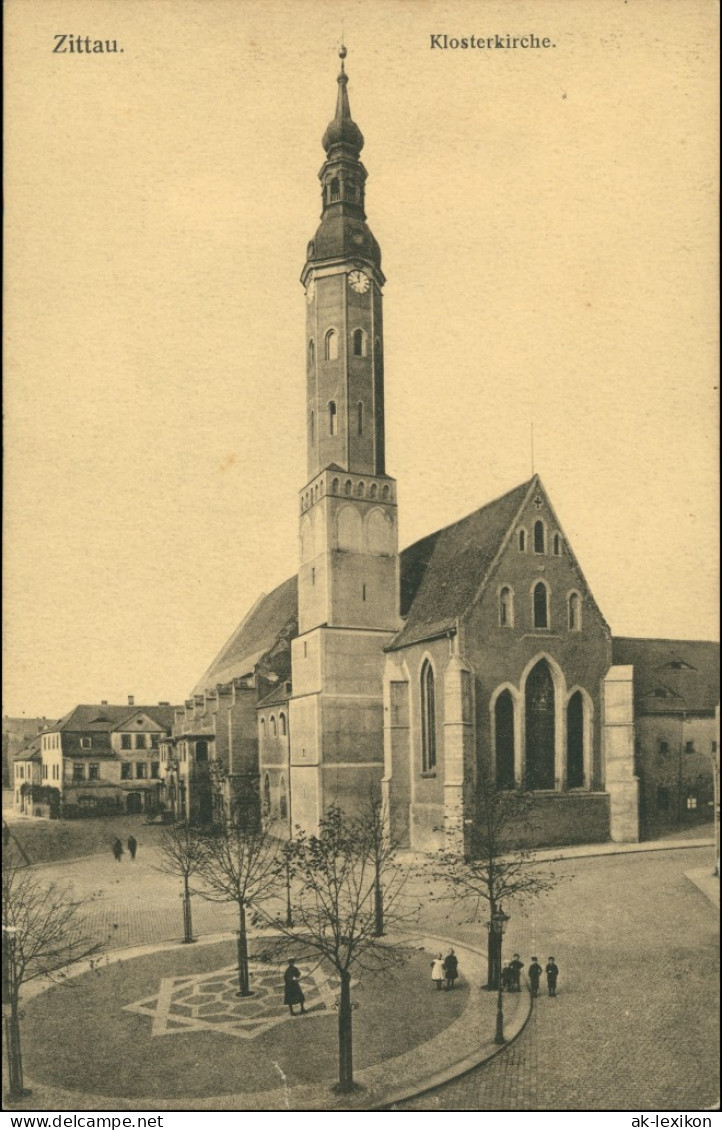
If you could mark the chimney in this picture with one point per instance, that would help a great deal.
(103, 702)
(131, 700)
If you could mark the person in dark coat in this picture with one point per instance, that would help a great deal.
(132, 846)
(292, 991)
(516, 967)
(507, 978)
(535, 972)
(451, 969)
(117, 849)
(552, 971)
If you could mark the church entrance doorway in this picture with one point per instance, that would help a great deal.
(133, 803)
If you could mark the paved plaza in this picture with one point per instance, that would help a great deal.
(635, 1023)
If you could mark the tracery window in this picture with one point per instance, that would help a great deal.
(428, 719)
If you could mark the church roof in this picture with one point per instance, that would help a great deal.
(671, 676)
(442, 574)
(273, 614)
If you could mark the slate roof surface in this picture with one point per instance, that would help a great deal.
(278, 696)
(671, 676)
(91, 718)
(271, 615)
(441, 574)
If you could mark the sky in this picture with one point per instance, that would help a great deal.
(547, 220)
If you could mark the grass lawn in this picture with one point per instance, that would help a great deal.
(80, 1036)
(47, 841)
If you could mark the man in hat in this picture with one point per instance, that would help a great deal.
(552, 972)
(535, 972)
(516, 967)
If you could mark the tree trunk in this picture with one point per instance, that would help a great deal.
(244, 989)
(187, 920)
(16, 1086)
(493, 953)
(345, 1036)
(378, 907)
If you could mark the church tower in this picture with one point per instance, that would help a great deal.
(348, 577)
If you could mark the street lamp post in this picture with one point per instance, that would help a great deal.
(498, 925)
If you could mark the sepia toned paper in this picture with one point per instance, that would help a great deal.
(547, 219)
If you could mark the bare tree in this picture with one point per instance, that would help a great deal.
(240, 864)
(183, 852)
(338, 875)
(373, 828)
(42, 935)
(493, 868)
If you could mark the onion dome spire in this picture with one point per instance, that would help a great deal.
(343, 131)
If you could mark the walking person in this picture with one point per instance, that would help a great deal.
(516, 967)
(437, 971)
(451, 969)
(552, 971)
(535, 972)
(507, 978)
(132, 846)
(292, 991)
(117, 849)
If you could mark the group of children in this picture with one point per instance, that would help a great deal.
(511, 975)
(445, 970)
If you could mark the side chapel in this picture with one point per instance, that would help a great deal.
(478, 652)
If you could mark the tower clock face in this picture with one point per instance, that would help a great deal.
(359, 282)
(310, 291)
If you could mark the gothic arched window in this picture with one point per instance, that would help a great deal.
(506, 608)
(539, 538)
(331, 345)
(575, 612)
(272, 725)
(557, 546)
(332, 418)
(282, 725)
(522, 541)
(540, 727)
(359, 343)
(428, 719)
(541, 606)
(575, 741)
(504, 740)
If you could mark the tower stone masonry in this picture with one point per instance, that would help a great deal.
(348, 588)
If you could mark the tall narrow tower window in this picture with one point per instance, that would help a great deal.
(311, 353)
(331, 345)
(539, 537)
(334, 190)
(428, 719)
(313, 428)
(541, 606)
(332, 418)
(360, 418)
(359, 343)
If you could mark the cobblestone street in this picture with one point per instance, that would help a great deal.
(635, 1024)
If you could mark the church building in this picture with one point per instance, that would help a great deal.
(477, 654)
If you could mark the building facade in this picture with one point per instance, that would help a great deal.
(97, 760)
(476, 658)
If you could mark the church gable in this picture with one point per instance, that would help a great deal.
(535, 582)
